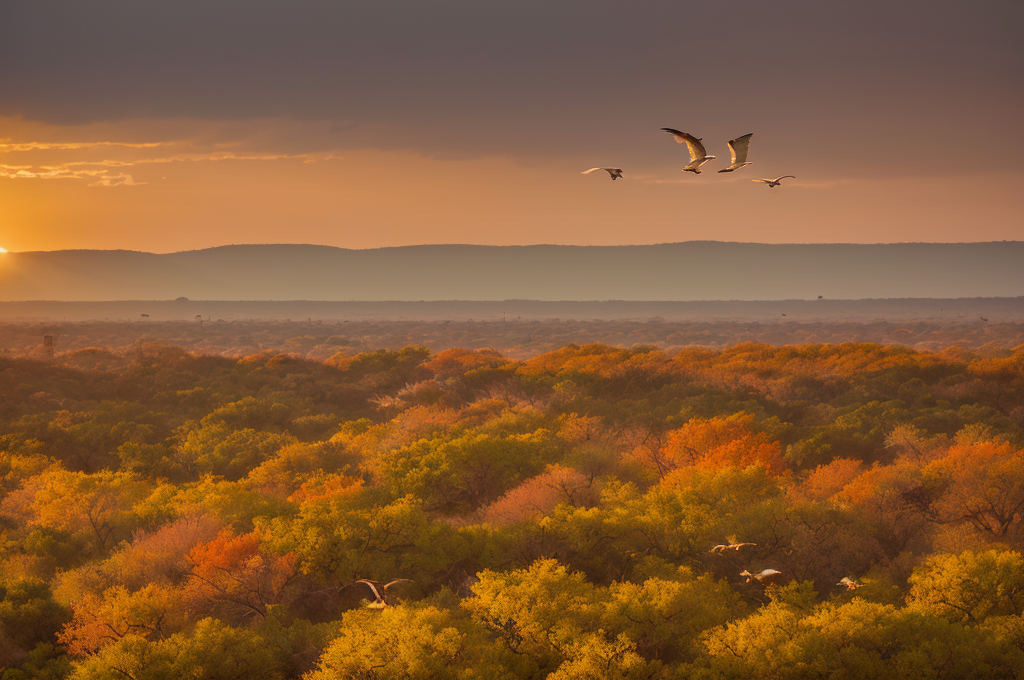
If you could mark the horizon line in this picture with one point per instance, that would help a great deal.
(510, 245)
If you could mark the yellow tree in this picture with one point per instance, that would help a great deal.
(153, 613)
(209, 651)
(99, 506)
(970, 587)
(857, 639)
(414, 643)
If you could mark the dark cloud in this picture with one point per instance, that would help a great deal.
(825, 86)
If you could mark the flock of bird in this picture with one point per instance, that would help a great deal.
(379, 591)
(738, 149)
(766, 576)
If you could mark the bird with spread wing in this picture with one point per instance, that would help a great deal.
(698, 154)
(616, 173)
(378, 590)
(738, 148)
(773, 182)
(733, 544)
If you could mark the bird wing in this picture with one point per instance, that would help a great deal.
(784, 177)
(766, 181)
(587, 172)
(397, 580)
(371, 585)
(738, 148)
(696, 149)
(614, 170)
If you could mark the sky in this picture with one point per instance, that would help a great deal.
(189, 124)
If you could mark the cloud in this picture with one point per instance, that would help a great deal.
(102, 177)
(108, 170)
(469, 121)
(120, 180)
(825, 86)
(47, 172)
(8, 146)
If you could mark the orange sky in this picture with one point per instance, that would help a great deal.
(892, 143)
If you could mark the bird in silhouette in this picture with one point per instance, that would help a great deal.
(848, 583)
(616, 173)
(379, 591)
(698, 155)
(983, 319)
(731, 545)
(761, 576)
(771, 182)
(738, 148)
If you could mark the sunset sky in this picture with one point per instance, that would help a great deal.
(180, 125)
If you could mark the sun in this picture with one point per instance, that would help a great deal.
(3, 250)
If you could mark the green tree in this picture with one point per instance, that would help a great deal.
(29, 621)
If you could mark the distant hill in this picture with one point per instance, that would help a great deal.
(695, 270)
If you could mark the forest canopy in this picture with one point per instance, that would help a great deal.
(804, 511)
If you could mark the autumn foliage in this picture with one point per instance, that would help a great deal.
(804, 511)
(722, 442)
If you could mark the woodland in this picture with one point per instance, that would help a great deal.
(805, 511)
(515, 338)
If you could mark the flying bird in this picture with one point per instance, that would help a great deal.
(731, 545)
(848, 583)
(771, 182)
(698, 155)
(616, 173)
(983, 319)
(760, 576)
(738, 148)
(379, 590)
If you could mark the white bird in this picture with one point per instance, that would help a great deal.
(738, 148)
(761, 576)
(698, 155)
(616, 173)
(773, 182)
(848, 583)
(379, 590)
(731, 545)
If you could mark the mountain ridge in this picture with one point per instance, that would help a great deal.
(683, 271)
